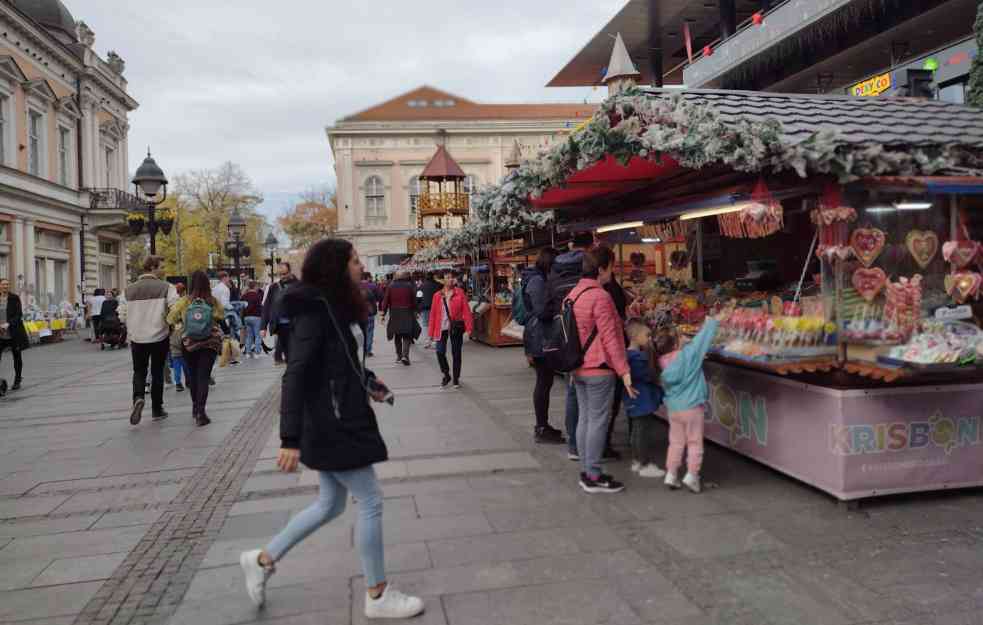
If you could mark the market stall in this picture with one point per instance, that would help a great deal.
(496, 281)
(844, 233)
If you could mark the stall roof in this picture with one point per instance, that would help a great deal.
(933, 185)
(608, 177)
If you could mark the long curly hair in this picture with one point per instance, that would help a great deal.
(326, 268)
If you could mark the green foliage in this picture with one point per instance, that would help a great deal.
(974, 97)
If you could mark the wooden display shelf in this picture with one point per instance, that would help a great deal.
(824, 364)
(874, 371)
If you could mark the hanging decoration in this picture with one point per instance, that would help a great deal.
(707, 50)
(674, 230)
(833, 220)
(869, 282)
(761, 217)
(960, 253)
(923, 245)
(867, 244)
(758, 18)
(903, 307)
(963, 286)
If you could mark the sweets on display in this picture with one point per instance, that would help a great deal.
(960, 253)
(867, 244)
(942, 342)
(923, 245)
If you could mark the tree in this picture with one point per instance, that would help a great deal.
(311, 219)
(136, 252)
(975, 95)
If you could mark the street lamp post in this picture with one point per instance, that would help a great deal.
(149, 182)
(235, 247)
(271, 245)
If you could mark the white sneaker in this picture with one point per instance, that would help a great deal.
(651, 470)
(672, 481)
(635, 466)
(256, 576)
(392, 604)
(692, 482)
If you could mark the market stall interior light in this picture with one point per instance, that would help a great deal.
(651, 240)
(712, 212)
(622, 226)
(913, 206)
(880, 209)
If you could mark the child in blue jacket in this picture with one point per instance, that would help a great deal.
(641, 409)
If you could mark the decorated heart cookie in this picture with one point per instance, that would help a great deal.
(963, 286)
(960, 253)
(869, 282)
(923, 245)
(867, 244)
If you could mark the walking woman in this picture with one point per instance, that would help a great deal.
(12, 332)
(450, 318)
(536, 300)
(400, 304)
(201, 344)
(326, 422)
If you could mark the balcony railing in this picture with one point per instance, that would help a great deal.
(115, 199)
(447, 203)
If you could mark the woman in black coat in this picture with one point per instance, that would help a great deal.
(400, 304)
(327, 423)
(536, 300)
(12, 332)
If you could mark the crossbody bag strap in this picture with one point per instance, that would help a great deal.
(360, 372)
(593, 333)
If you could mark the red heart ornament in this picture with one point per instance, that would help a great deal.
(963, 286)
(867, 244)
(869, 282)
(960, 253)
(923, 245)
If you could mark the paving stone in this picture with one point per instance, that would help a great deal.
(267, 504)
(20, 573)
(41, 527)
(574, 514)
(653, 597)
(271, 481)
(83, 569)
(478, 501)
(415, 530)
(518, 545)
(36, 603)
(107, 500)
(228, 609)
(125, 519)
(29, 506)
(714, 536)
(259, 525)
(571, 603)
(74, 544)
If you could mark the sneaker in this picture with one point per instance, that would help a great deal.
(672, 481)
(692, 482)
(548, 436)
(16, 386)
(392, 604)
(651, 470)
(572, 455)
(179, 387)
(234, 363)
(457, 384)
(603, 484)
(137, 413)
(160, 414)
(635, 466)
(405, 361)
(369, 355)
(256, 576)
(211, 381)
(444, 382)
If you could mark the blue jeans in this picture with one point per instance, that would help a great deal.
(330, 503)
(369, 334)
(595, 396)
(254, 342)
(178, 366)
(573, 414)
(425, 323)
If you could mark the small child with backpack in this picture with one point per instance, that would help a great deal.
(686, 393)
(641, 409)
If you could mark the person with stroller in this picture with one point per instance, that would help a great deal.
(95, 312)
(112, 332)
(200, 314)
(12, 332)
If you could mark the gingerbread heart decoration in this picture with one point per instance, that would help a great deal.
(867, 244)
(963, 286)
(869, 282)
(923, 245)
(960, 253)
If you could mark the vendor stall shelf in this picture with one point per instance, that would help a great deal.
(497, 286)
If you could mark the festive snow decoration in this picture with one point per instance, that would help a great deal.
(867, 244)
(923, 245)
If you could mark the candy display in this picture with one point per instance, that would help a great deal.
(755, 333)
(832, 219)
(867, 244)
(903, 305)
(869, 282)
(941, 342)
(960, 253)
(923, 245)
(963, 286)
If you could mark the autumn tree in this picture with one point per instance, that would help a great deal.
(975, 95)
(312, 218)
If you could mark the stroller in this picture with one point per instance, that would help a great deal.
(112, 331)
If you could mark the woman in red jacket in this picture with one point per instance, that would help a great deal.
(450, 318)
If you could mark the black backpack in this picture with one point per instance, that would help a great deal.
(561, 346)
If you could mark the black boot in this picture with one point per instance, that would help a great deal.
(16, 386)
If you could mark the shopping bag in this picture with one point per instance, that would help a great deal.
(513, 330)
(236, 349)
(226, 357)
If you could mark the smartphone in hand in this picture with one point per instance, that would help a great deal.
(378, 389)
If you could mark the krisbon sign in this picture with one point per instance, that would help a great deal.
(743, 415)
(937, 432)
(873, 86)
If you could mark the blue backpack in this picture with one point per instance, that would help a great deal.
(198, 320)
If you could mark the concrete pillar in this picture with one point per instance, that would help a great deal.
(121, 279)
(18, 276)
(49, 281)
(30, 277)
(75, 275)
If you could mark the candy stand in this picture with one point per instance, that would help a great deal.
(497, 282)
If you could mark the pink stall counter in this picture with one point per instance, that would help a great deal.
(852, 444)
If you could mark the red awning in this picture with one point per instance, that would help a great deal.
(608, 177)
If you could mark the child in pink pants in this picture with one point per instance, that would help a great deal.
(686, 393)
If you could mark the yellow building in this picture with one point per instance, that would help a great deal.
(63, 155)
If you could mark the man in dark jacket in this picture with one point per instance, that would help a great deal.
(12, 332)
(428, 289)
(373, 296)
(566, 273)
(275, 317)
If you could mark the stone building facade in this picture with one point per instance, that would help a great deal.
(380, 152)
(63, 155)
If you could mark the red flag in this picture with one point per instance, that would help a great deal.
(689, 41)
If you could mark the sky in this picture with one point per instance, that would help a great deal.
(256, 82)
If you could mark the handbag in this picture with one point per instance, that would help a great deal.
(456, 326)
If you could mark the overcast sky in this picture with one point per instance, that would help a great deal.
(256, 82)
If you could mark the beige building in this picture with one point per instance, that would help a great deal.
(63, 131)
(380, 152)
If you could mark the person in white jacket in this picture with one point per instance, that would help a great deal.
(144, 311)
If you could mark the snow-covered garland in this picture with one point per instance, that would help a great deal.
(637, 124)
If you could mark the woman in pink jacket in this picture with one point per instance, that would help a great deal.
(450, 318)
(603, 338)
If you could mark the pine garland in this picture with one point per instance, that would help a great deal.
(975, 95)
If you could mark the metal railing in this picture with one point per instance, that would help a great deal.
(115, 199)
(447, 203)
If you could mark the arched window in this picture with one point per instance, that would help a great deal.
(375, 201)
(414, 198)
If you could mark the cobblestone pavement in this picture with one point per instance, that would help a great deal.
(101, 522)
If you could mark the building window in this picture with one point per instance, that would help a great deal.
(375, 202)
(64, 148)
(954, 93)
(61, 279)
(414, 197)
(4, 267)
(107, 276)
(35, 123)
(107, 247)
(470, 184)
(110, 157)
